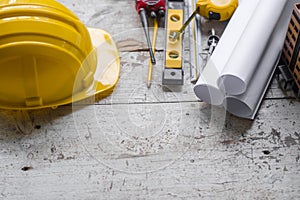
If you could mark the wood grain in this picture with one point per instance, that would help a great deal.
(186, 151)
(139, 143)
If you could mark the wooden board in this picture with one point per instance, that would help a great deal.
(141, 143)
(170, 150)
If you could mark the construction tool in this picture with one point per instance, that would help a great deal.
(211, 9)
(152, 8)
(150, 68)
(195, 38)
(212, 41)
(173, 65)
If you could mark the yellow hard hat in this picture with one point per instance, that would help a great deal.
(49, 58)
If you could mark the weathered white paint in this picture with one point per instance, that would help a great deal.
(149, 144)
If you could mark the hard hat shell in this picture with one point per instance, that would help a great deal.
(44, 49)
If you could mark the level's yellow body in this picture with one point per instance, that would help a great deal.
(217, 9)
(174, 49)
(173, 67)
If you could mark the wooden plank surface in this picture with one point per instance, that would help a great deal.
(148, 144)
(187, 151)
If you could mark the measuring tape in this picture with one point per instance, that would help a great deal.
(216, 9)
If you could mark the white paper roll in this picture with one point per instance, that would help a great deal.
(206, 87)
(247, 104)
(244, 59)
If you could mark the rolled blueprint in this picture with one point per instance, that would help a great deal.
(247, 104)
(243, 62)
(206, 87)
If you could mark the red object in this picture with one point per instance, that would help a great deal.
(150, 6)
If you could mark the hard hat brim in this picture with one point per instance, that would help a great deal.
(108, 67)
(99, 82)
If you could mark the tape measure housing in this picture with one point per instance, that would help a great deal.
(217, 9)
